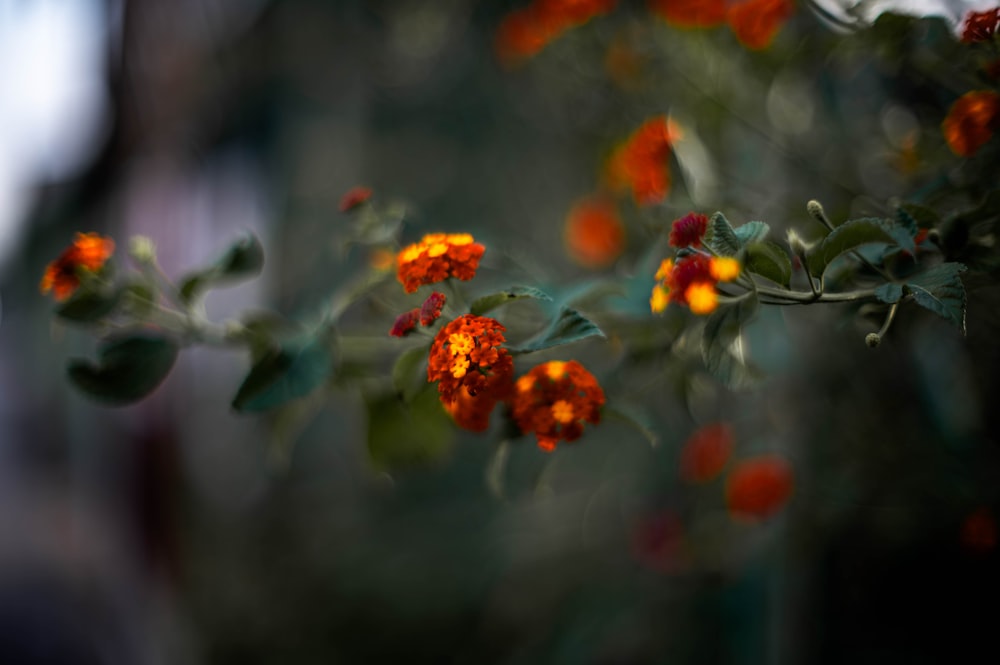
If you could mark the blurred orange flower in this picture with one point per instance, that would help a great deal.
(640, 163)
(691, 281)
(970, 121)
(759, 487)
(466, 355)
(706, 452)
(594, 233)
(690, 13)
(89, 252)
(756, 22)
(554, 399)
(436, 257)
(526, 31)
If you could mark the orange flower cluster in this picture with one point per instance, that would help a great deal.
(759, 487)
(640, 163)
(970, 121)
(754, 22)
(436, 257)
(980, 26)
(472, 370)
(691, 281)
(89, 251)
(354, 197)
(706, 452)
(594, 235)
(554, 399)
(526, 31)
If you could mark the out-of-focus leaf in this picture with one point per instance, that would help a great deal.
(285, 373)
(722, 343)
(407, 378)
(568, 326)
(128, 368)
(490, 302)
(243, 260)
(940, 290)
(720, 236)
(849, 236)
(89, 305)
(769, 260)
(404, 435)
(889, 293)
(751, 232)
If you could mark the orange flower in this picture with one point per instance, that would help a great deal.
(640, 163)
(971, 121)
(594, 233)
(706, 452)
(466, 354)
(554, 399)
(756, 22)
(405, 323)
(757, 488)
(690, 13)
(526, 31)
(354, 197)
(692, 281)
(89, 252)
(437, 257)
(471, 412)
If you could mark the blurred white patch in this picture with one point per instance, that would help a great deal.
(860, 13)
(53, 98)
(696, 164)
(900, 125)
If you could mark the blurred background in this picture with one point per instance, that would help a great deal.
(165, 532)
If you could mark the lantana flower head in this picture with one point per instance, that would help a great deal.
(706, 453)
(437, 257)
(759, 487)
(595, 236)
(691, 281)
(431, 309)
(688, 230)
(89, 252)
(971, 121)
(405, 323)
(980, 26)
(554, 400)
(466, 355)
(526, 31)
(756, 22)
(354, 197)
(640, 164)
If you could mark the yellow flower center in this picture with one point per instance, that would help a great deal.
(461, 343)
(665, 267)
(724, 269)
(562, 411)
(702, 298)
(659, 300)
(460, 239)
(525, 383)
(460, 367)
(411, 253)
(437, 249)
(556, 369)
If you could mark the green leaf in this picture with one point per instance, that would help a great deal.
(87, 306)
(282, 374)
(407, 378)
(889, 293)
(720, 236)
(770, 260)
(751, 232)
(722, 343)
(128, 368)
(243, 260)
(138, 299)
(940, 290)
(847, 237)
(486, 303)
(568, 326)
(401, 435)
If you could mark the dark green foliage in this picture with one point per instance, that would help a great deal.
(128, 368)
